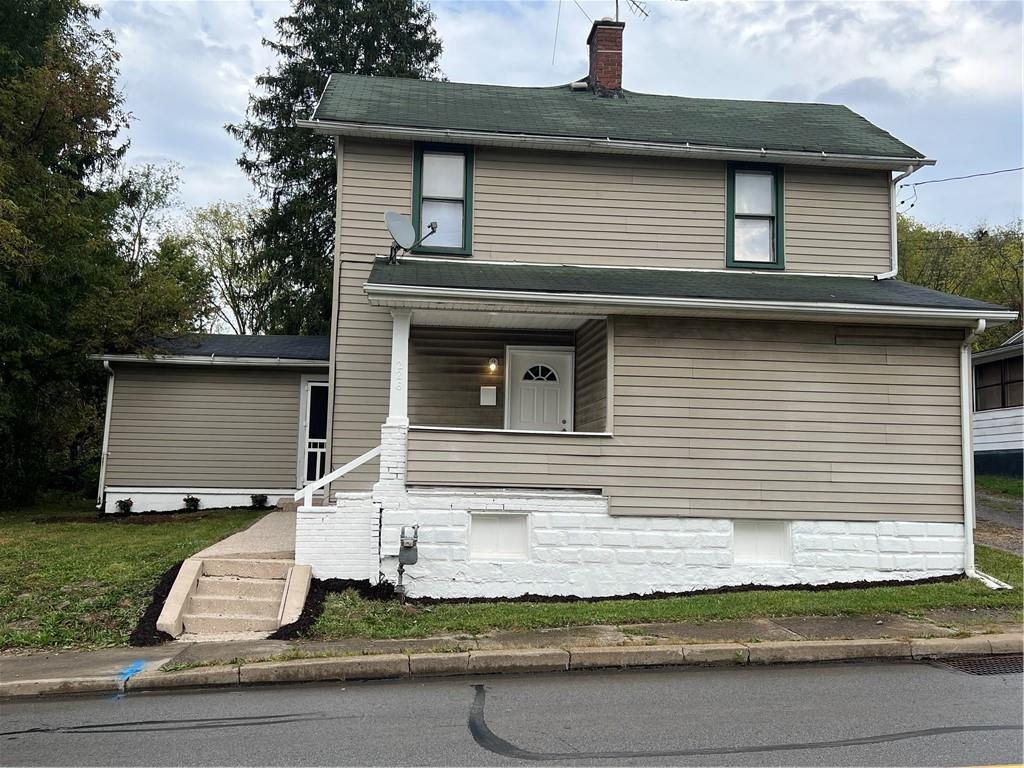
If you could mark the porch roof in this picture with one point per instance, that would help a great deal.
(447, 280)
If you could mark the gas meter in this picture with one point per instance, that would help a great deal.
(407, 553)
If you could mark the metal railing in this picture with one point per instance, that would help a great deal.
(306, 493)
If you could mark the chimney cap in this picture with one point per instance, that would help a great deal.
(605, 22)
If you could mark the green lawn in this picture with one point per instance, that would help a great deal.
(1009, 486)
(68, 580)
(348, 615)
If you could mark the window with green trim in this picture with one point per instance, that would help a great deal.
(443, 194)
(754, 230)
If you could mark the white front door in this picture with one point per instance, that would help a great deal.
(539, 388)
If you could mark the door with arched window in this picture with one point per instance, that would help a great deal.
(539, 388)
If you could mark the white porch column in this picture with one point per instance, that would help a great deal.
(394, 433)
(398, 407)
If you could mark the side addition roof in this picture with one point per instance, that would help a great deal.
(295, 351)
(454, 110)
(679, 291)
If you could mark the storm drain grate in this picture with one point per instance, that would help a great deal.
(986, 665)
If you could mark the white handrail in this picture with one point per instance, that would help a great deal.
(306, 493)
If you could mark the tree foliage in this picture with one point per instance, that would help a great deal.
(984, 263)
(222, 239)
(66, 289)
(293, 169)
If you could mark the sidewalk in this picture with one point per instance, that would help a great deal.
(759, 641)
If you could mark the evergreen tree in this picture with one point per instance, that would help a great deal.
(293, 168)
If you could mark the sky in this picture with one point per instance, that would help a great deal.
(943, 76)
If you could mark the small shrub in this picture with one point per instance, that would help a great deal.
(259, 500)
(124, 506)
(191, 503)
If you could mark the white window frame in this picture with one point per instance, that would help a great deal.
(305, 382)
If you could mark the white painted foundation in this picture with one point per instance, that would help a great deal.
(172, 499)
(577, 548)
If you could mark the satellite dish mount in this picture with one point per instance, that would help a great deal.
(403, 235)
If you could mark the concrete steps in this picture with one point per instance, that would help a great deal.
(229, 596)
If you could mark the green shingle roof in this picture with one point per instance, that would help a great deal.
(735, 286)
(560, 112)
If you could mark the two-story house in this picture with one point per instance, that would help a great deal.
(654, 344)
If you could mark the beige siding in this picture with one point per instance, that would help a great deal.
(590, 209)
(712, 418)
(203, 427)
(376, 178)
(591, 377)
(447, 367)
(837, 221)
(570, 208)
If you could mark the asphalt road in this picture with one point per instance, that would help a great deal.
(852, 714)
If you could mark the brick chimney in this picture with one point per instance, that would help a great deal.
(605, 43)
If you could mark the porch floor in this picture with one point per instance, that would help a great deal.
(269, 538)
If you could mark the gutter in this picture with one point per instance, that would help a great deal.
(959, 316)
(271, 362)
(894, 246)
(608, 145)
(100, 492)
(967, 456)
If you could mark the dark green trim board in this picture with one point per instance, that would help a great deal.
(779, 188)
(467, 206)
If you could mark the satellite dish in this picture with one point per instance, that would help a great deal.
(401, 230)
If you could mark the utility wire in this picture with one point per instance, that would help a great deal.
(576, 3)
(958, 178)
(554, 45)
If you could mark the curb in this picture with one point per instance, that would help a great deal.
(401, 665)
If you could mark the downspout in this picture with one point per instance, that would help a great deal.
(100, 493)
(967, 456)
(895, 262)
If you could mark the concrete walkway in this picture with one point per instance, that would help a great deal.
(807, 638)
(269, 538)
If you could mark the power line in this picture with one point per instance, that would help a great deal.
(554, 46)
(576, 3)
(959, 178)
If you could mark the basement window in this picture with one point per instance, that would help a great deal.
(754, 238)
(442, 182)
(502, 537)
(761, 541)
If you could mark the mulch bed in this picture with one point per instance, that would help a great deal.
(145, 632)
(318, 591)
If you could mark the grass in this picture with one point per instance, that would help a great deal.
(67, 580)
(348, 615)
(1009, 486)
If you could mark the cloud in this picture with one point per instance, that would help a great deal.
(922, 70)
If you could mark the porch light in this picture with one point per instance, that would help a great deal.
(492, 365)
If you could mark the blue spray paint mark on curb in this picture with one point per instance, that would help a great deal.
(132, 669)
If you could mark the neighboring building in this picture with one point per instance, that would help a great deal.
(654, 344)
(998, 410)
(217, 417)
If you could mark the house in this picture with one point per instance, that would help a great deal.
(218, 417)
(654, 344)
(998, 410)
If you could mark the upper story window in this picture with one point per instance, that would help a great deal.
(998, 384)
(754, 236)
(442, 182)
